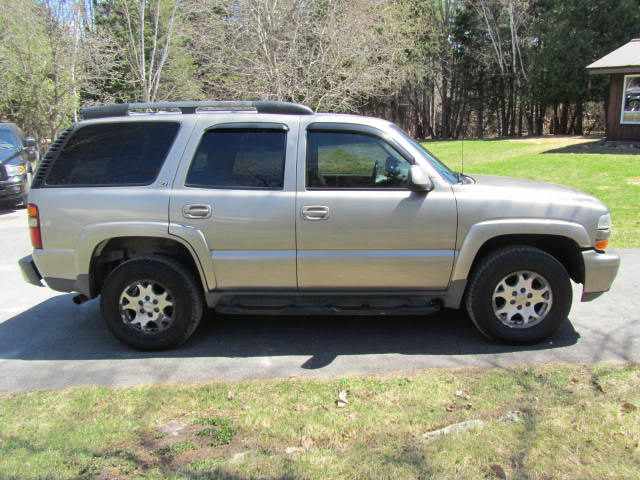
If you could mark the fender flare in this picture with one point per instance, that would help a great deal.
(480, 233)
(94, 236)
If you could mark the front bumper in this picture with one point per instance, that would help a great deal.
(600, 270)
(29, 271)
(14, 188)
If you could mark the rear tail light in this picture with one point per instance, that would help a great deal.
(34, 225)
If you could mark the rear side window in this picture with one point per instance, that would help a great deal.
(239, 158)
(112, 154)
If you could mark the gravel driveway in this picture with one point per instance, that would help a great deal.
(48, 342)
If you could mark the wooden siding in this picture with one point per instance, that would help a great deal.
(616, 131)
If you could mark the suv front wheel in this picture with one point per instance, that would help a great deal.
(519, 295)
(152, 303)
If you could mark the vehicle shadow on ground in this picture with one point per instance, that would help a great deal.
(5, 210)
(58, 330)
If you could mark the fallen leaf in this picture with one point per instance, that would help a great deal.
(462, 394)
(342, 399)
(450, 408)
(307, 443)
(230, 395)
(498, 471)
(628, 407)
(512, 416)
(292, 450)
(597, 385)
(239, 457)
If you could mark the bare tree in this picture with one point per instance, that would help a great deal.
(147, 67)
(329, 55)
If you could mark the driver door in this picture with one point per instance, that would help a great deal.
(359, 225)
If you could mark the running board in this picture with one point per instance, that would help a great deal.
(327, 305)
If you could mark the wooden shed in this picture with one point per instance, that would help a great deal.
(623, 112)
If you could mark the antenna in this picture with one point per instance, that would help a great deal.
(462, 166)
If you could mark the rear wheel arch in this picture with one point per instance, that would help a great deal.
(111, 252)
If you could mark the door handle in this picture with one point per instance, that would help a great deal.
(196, 211)
(315, 212)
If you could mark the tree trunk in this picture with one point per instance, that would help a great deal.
(579, 128)
(564, 118)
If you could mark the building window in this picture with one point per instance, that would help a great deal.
(631, 100)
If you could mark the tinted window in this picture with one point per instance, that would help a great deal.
(114, 154)
(239, 159)
(354, 160)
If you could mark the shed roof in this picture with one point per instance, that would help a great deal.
(625, 59)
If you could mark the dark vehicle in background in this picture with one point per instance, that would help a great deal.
(18, 155)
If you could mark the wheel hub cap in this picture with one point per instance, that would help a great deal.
(146, 306)
(522, 299)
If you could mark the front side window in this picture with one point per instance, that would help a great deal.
(239, 158)
(344, 160)
(113, 154)
(631, 100)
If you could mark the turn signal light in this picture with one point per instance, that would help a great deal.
(602, 245)
(34, 225)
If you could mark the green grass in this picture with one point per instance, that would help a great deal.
(613, 178)
(575, 422)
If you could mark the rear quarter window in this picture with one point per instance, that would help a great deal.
(113, 154)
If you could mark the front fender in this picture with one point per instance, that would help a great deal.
(482, 232)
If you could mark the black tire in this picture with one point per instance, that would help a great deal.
(186, 295)
(498, 265)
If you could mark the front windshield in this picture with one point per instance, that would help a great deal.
(441, 168)
(7, 139)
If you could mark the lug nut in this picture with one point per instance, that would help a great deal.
(519, 307)
(150, 314)
(513, 302)
(140, 302)
(529, 295)
(528, 304)
(522, 290)
(156, 310)
(155, 302)
(147, 298)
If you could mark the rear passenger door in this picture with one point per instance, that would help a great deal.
(236, 186)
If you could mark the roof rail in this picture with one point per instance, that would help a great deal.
(259, 106)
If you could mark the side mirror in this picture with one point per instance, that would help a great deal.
(30, 142)
(420, 182)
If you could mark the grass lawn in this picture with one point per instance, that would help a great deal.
(565, 423)
(612, 177)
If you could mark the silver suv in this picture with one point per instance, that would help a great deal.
(165, 209)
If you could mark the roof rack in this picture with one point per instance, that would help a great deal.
(125, 109)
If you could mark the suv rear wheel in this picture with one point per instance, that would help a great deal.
(152, 303)
(519, 295)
